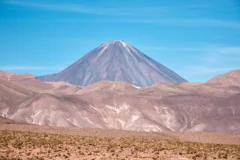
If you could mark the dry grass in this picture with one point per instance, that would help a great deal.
(28, 145)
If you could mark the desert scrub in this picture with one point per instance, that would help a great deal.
(15, 143)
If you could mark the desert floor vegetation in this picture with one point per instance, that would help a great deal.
(16, 145)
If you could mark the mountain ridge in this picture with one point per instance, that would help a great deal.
(201, 107)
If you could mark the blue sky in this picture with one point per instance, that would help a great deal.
(198, 39)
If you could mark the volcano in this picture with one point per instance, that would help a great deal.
(115, 61)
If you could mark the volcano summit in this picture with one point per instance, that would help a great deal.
(115, 61)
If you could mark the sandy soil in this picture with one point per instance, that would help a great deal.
(204, 137)
(43, 142)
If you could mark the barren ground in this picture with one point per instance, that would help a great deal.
(19, 141)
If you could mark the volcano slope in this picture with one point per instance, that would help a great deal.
(115, 61)
(208, 107)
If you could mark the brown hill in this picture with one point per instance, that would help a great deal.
(119, 105)
(4, 120)
(229, 79)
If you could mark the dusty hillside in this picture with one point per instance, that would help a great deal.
(119, 105)
(4, 120)
(229, 79)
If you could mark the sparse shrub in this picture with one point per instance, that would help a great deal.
(93, 146)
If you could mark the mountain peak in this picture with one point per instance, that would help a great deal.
(116, 42)
(116, 61)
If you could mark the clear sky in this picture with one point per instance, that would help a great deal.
(197, 39)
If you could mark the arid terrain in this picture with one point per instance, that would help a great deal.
(19, 141)
(119, 80)
(208, 107)
(27, 141)
(57, 120)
